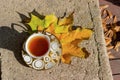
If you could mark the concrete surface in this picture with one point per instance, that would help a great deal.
(95, 67)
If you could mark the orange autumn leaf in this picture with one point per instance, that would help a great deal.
(69, 38)
(70, 41)
(62, 28)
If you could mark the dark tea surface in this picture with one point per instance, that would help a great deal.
(38, 46)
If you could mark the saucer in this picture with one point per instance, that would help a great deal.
(47, 61)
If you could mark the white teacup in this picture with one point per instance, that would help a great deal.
(49, 58)
(37, 45)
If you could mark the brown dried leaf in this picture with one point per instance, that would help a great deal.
(109, 14)
(108, 41)
(110, 28)
(111, 56)
(109, 52)
(117, 46)
(104, 7)
(113, 22)
(104, 14)
(117, 28)
(109, 33)
(105, 20)
(105, 28)
(114, 19)
(110, 47)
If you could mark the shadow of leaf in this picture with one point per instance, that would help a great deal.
(12, 39)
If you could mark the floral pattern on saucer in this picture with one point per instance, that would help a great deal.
(47, 61)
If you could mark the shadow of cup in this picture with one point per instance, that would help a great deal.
(12, 39)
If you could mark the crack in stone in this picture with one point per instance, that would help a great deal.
(99, 61)
(95, 35)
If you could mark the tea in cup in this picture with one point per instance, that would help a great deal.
(41, 51)
(37, 45)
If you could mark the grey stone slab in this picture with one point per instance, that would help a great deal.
(87, 14)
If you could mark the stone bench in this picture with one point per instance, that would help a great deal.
(86, 14)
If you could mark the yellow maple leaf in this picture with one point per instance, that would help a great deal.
(70, 39)
(62, 29)
(79, 33)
